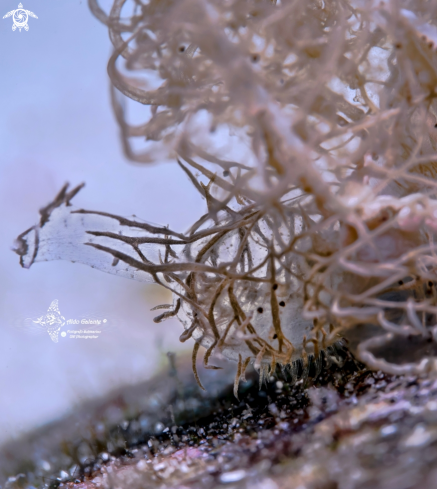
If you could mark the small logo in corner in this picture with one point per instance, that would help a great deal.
(20, 17)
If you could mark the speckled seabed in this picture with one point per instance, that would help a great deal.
(351, 428)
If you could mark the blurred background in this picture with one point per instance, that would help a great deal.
(56, 125)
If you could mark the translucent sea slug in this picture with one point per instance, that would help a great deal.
(327, 231)
(268, 288)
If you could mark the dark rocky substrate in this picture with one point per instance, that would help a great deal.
(349, 428)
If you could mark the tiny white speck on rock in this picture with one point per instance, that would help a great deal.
(233, 476)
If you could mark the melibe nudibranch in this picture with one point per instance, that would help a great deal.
(272, 285)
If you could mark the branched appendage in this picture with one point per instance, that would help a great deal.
(167, 314)
(326, 232)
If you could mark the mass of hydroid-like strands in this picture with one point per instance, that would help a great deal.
(321, 219)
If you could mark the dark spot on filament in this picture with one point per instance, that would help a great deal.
(182, 49)
(226, 173)
(435, 125)
(260, 310)
(398, 45)
(430, 284)
(401, 282)
(255, 58)
(282, 304)
(275, 286)
(275, 336)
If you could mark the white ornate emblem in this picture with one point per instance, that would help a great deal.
(52, 321)
(20, 17)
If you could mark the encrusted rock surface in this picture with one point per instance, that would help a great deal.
(351, 428)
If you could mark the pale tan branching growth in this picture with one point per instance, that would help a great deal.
(309, 128)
